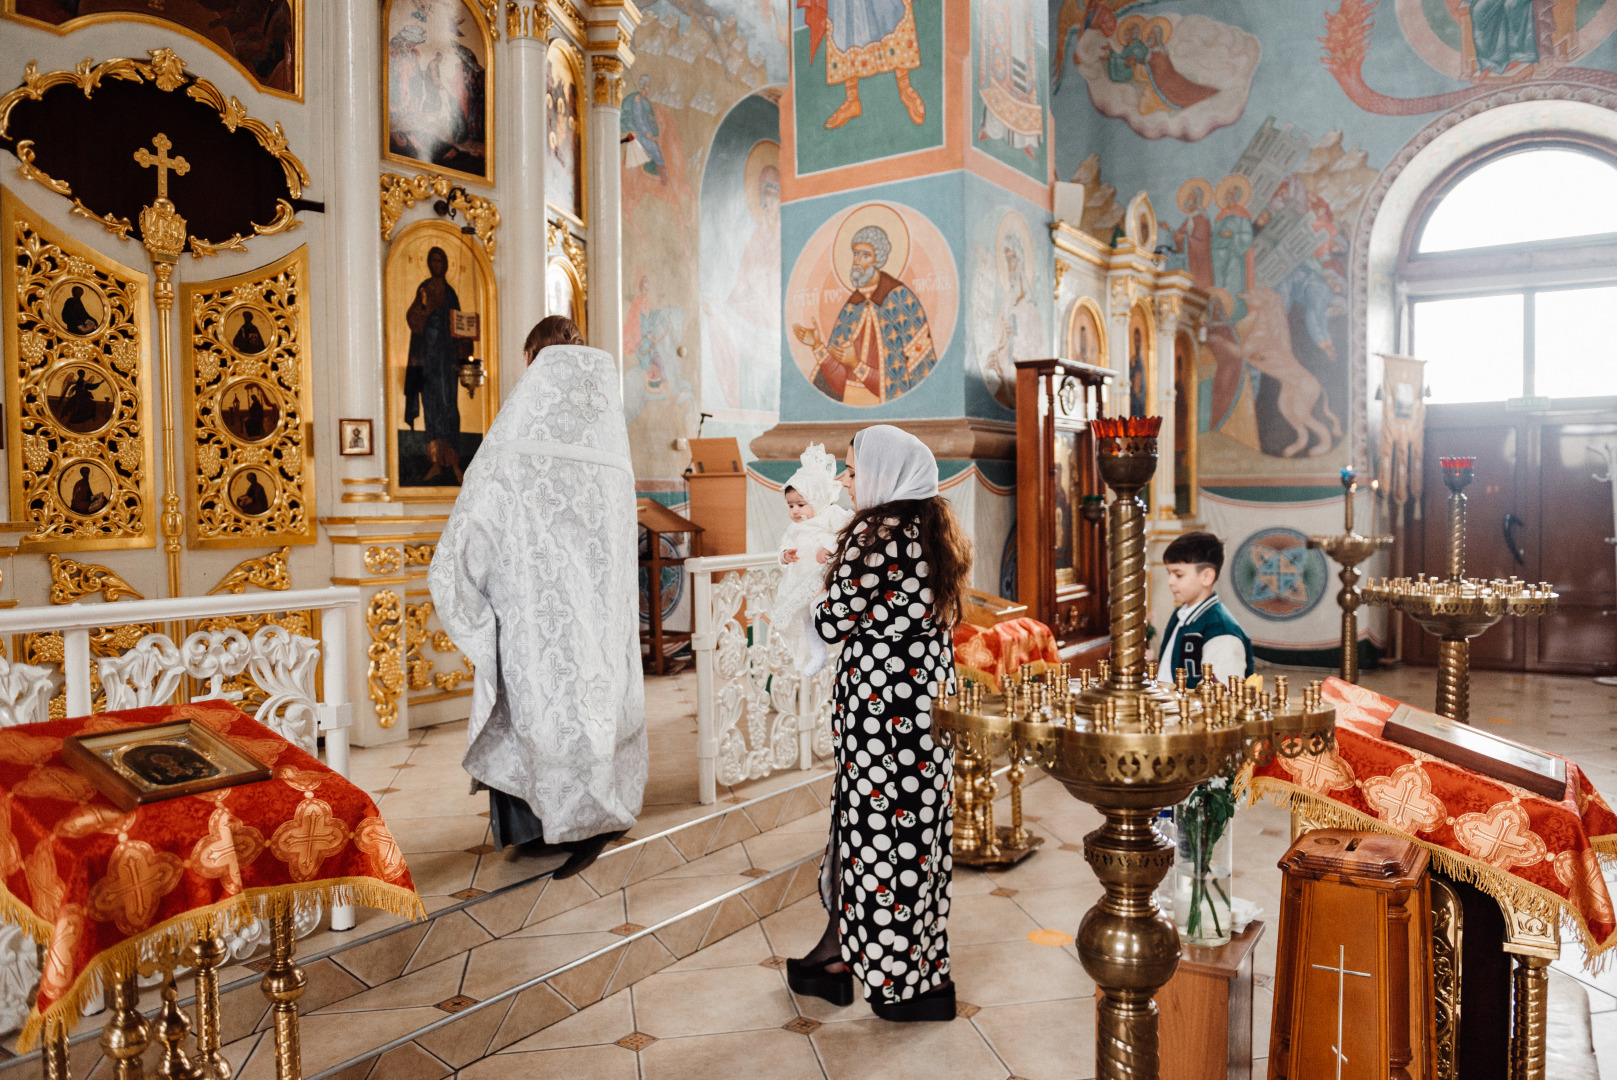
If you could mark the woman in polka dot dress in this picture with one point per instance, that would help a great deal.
(893, 595)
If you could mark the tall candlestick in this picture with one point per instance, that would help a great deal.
(1349, 476)
(1375, 495)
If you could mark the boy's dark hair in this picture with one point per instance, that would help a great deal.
(787, 488)
(1199, 548)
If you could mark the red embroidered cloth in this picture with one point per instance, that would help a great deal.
(1512, 843)
(987, 652)
(97, 886)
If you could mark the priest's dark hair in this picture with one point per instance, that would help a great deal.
(1198, 549)
(548, 331)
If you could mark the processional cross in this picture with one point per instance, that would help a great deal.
(1342, 972)
(163, 162)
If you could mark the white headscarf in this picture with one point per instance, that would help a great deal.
(891, 465)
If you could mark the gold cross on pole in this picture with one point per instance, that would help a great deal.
(163, 162)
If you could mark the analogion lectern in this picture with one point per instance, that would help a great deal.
(1353, 977)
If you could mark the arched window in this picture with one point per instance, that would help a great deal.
(1510, 277)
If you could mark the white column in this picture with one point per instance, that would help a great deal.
(353, 284)
(354, 224)
(606, 206)
(520, 267)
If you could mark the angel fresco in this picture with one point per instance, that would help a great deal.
(437, 86)
(1173, 75)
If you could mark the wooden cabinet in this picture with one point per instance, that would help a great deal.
(1060, 553)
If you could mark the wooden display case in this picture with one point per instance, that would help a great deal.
(1061, 556)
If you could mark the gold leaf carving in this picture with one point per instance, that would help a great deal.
(419, 554)
(265, 572)
(80, 434)
(71, 580)
(247, 407)
(383, 560)
(399, 193)
(384, 676)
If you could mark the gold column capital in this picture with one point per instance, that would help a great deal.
(608, 81)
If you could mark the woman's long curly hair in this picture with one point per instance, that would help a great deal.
(944, 547)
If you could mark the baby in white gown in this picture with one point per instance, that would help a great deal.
(811, 497)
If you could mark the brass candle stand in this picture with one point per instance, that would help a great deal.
(1131, 746)
(978, 741)
(1456, 608)
(1348, 550)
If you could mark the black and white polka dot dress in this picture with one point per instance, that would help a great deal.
(892, 815)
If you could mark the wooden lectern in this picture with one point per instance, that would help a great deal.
(1353, 979)
(657, 521)
(718, 486)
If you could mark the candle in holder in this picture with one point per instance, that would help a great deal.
(1349, 475)
(1375, 494)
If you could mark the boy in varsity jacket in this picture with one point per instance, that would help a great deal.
(1201, 631)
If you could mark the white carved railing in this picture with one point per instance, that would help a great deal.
(755, 711)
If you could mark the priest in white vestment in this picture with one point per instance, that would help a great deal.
(535, 579)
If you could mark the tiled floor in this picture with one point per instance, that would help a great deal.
(724, 1009)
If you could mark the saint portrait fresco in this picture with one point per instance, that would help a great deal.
(81, 399)
(1141, 352)
(439, 93)
(78, 306)
(249, 411)
(1007, 323)
(1010, 84)
(1481, 39)
(1085, 343)
(564, 127)
(85, 488)
(871, 304)
(250, 492)
(434, 274)
(260, 37)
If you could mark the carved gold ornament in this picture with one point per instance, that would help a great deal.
(422, 673)
(266, 572)
(419, 554)
(384, 676)
(608, 80)
(383, 560)
(247, 407)
(167, 72)
(528, 19)
(1169, 308)
(77, 404)
(70, 580)
(399, 193)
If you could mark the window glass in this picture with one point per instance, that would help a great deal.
(1534, 195)
(1574, 352)
(1472, 347)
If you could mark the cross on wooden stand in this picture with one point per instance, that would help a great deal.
(1342, 972)
(162, 162)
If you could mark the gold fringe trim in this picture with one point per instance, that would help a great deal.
(1505, 888)
(169, 938)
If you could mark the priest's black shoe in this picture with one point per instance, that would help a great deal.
(935, 1004)
(806, 977)
(584, 853)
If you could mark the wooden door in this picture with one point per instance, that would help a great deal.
(1540, 468)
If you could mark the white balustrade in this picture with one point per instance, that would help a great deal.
(756, 713)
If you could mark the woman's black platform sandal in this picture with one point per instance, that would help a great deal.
(935, 1004)
(806, 977)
